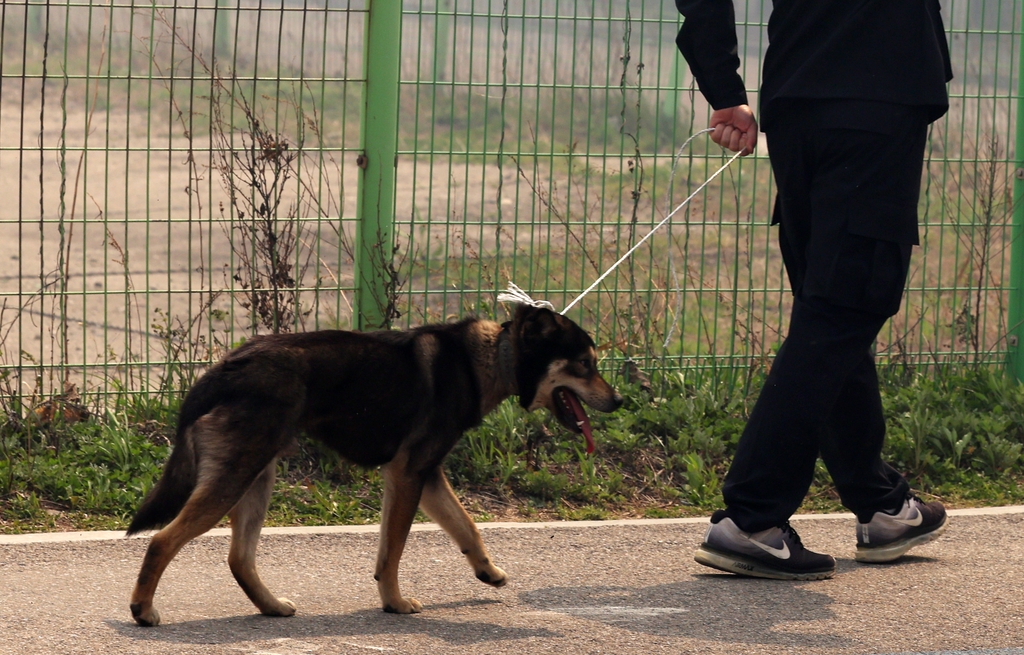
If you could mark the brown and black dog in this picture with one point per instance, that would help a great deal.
(396, 399)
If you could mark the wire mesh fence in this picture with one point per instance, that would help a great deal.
(178, 176)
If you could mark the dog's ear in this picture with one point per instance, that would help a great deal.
(534, 324)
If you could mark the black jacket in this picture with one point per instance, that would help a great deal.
(885, 51)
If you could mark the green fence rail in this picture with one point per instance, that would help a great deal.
(178, 177)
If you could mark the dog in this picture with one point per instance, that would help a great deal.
(395, 399)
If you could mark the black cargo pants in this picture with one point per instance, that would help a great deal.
(847, 216)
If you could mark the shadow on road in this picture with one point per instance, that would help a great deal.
(363, 622)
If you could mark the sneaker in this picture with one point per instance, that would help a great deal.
(775, 553)
(887, 536)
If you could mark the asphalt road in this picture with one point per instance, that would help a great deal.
(608, 587)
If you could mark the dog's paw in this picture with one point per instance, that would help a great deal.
(493, 576)
(284, 607)
(404, 606)
(147, 617)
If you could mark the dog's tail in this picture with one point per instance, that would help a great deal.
(168, 495)
(165, 500)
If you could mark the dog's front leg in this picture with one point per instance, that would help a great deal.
(442, 505)
(401, 497)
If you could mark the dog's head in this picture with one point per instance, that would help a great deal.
(556, 368)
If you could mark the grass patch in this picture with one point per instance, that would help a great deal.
(957, 433)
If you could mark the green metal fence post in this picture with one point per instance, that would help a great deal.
(375, 203)
(1015, 318)
(676, 75)
(442, 37)
(222, 33)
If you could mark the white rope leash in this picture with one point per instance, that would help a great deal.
(516, 295)
(648, 235)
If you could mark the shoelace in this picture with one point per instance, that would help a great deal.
(791, 531)
(910, 501)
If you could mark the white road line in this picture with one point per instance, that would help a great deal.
(382, 649)
(617, 612)
(987, 651)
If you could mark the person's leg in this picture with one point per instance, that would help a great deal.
(870, 272)
(774, 462)
(851, 447)
(775, 459)
(866, 266)
(846, 209)
(890, 521)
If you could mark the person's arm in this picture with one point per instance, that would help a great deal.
(707, 40)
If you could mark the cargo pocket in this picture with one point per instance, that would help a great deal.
(869, 274)
(887, 221)
(872, 258)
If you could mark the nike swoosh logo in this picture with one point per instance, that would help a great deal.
(781, 553)
(914, 522)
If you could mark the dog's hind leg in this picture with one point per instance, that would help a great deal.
(223, 477)
(205, 507)
(442, 505)
(246, 522)
(402, 491)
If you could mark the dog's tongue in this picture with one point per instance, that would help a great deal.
(581, 418)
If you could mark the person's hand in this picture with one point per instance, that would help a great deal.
(735, 129)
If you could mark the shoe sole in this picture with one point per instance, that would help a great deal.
(745, 566)
(897, 549)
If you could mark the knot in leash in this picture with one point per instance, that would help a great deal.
(516, 295)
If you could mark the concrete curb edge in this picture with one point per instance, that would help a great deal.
(111, 535)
